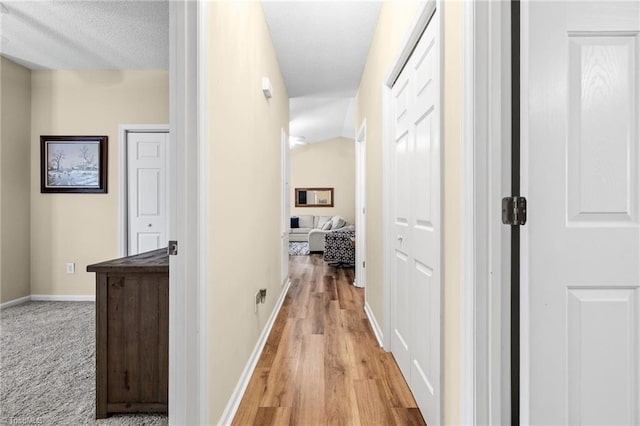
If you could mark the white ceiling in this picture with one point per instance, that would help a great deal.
(319, 119)
(61, 34)
(321, 47)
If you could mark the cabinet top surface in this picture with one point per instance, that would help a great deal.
(152, 261)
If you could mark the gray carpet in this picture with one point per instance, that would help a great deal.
(47, 367)
(298, 248)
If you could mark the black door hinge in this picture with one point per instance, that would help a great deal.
(172, 248)
(514, 210)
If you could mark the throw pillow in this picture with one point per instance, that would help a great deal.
(306, 221)
(295, 222)
(321, 220)
(337, 222)
(327, 225)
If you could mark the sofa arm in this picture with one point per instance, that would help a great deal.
(316, 239)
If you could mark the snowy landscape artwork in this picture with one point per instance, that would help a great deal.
(73, 165)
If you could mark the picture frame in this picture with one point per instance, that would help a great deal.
(314, 197)
(73, 164)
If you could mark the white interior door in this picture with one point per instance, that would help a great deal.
(147, 191)
(415, 175)
(581, 245)
(286, 205)
(361, 202)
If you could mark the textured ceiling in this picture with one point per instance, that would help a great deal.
(90, 34)
(321, 47)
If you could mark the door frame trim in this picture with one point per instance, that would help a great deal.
(202, 205)
(524, 232)
(285, 202)
(486, 248)
(189, 398)
(360, 279)
(123, 166)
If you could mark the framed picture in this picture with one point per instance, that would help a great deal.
(73, 164)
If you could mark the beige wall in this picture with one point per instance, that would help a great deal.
(15, 119)
(84, 228)
(452, 197)
(394, 22)
(244, 158)
(330, 164)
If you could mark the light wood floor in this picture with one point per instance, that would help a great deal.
(322, 364)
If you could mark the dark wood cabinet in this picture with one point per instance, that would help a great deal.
(132, 334)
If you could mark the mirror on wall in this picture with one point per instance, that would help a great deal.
(314, 197)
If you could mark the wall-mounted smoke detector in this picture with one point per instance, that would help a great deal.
(267, 89)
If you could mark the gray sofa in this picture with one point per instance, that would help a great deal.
(310, 229)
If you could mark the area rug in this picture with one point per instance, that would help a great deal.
(47, 367)
(298, 248)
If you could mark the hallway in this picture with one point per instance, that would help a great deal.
(322, 363)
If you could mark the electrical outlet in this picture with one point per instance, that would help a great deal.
(71, 268)
(260, 297)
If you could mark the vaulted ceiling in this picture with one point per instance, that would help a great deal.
(322, 47)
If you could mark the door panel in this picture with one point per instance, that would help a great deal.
(603, 110)
(147, 186)
(401, 324)
(425, 227)
(401, 336)
(592, 314)
(148, 241)
(416, 180)
(581, 267)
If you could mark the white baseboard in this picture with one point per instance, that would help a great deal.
(15, 302)
(63, 298)
(374, 323)
(49, 298)
(234, 402)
